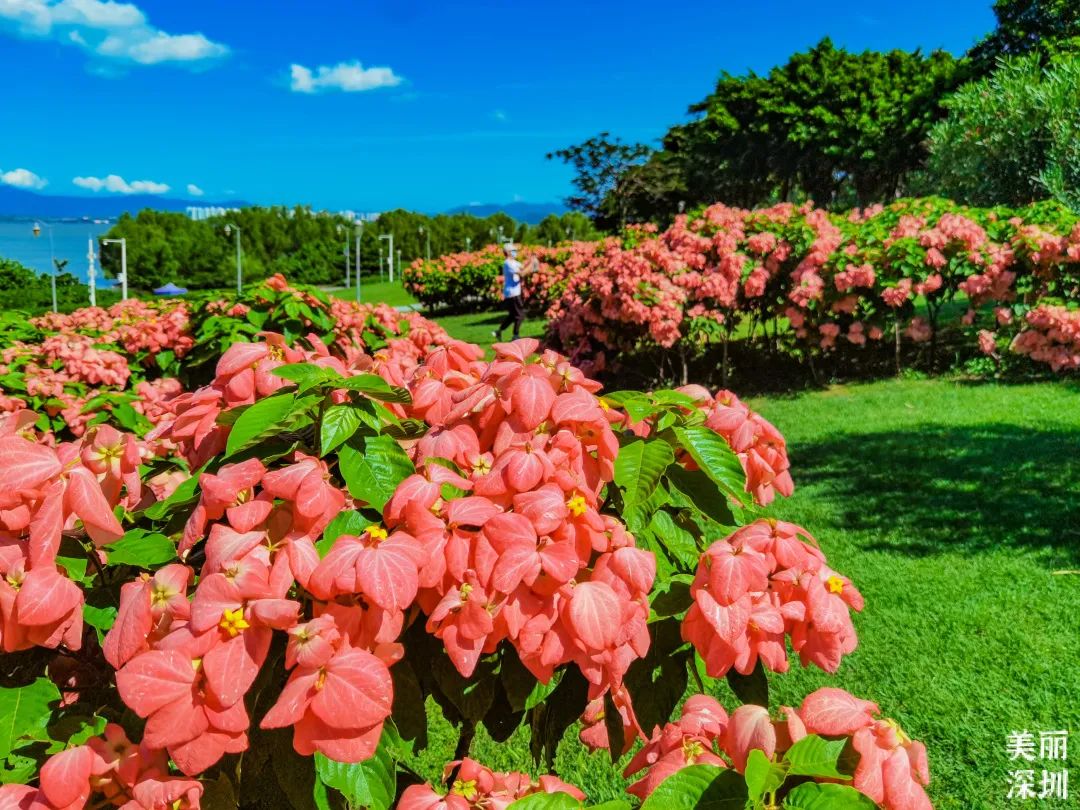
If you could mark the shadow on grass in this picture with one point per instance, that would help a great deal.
(936, 489)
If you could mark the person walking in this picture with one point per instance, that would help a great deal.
(515, 305)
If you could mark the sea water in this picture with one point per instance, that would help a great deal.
(69, 241)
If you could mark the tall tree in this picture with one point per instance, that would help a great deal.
(1044, 27)
(1012, 137)
(828, 125)
(598, 164)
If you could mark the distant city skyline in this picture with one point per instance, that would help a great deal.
(384, 105)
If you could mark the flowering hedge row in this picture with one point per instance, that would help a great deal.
(354, 513)
(810, 282)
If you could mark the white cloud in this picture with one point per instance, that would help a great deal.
(499, 115)
(113, 30)
(22, 178)
(118, 185)
(349, 77)
(194, 190)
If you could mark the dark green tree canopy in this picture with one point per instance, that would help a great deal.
(831, 125)
(598, 164)
(1044, 27)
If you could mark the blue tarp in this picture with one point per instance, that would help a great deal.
(170, 289)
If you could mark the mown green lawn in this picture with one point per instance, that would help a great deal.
(951, 506)
(477, 327)
(374, 292)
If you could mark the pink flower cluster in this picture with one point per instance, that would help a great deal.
(526, 555)
(113, 772)
(760, 586)
(892, 768)
(1051, 336)
(46, 491)
(475, 787)
(839, 282)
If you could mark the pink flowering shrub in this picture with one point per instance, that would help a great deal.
(356, 513)
(873, 284)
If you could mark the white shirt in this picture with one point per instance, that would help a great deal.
(511, 278)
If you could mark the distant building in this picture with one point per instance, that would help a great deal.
(361, 216)
(198, 212)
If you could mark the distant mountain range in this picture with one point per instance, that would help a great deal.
(531, 213)
(19, 203)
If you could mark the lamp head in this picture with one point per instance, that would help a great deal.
(37, 230)
(228, 230)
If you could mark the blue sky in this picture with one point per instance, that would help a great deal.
(424, 105)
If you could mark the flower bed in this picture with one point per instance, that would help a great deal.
(354, 513)
(813, 285)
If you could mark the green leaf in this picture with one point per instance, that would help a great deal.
(25, 712)
(546, 801)
(657, 681)
(370, 784)
(75, 568)
(264, 417)
(306, 375)
(715, 458)
(672, 596)
(550, 719)
(339, 422)
(471, 697)
(678, 542)
(141, 548)
(409, 713)
(636, 404)
(639, 467)
(613, 804)
(667, 396)
(613, 725)
(762, 775)
(815, 756)
(752, 688)
(376, 387)
(101, 619)
(699, 787)
(17, 770)
(347, 522)
(815, 796)
(181, 495)
(372, 467)
(701, 494)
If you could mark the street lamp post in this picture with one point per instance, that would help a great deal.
(428, 252)
(52, 258)
(341, 230)
(91, 271)
(389, 253)
(359, 232)
(239, 263)
(468, 243)
(398, 263)
(123, 264)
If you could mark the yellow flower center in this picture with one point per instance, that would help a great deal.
(905, 740)
(377, 532)
(577, 505)
(160, 595)
(691, 751)
(277, 353)
(603, 404)
(481, 466)
(835, 584)
(467, 790)
(233, 622)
